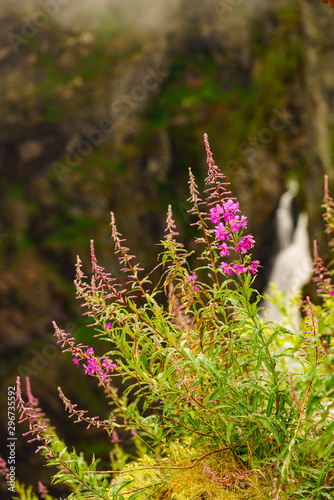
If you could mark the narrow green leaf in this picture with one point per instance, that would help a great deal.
(270, 404)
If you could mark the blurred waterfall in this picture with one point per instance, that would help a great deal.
(292, 267)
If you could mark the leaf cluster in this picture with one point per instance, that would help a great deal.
(200, 381)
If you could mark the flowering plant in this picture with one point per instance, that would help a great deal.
(210, 410)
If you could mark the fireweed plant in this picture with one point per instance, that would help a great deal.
(210, 412)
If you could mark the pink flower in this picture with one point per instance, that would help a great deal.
(245, 243)
(222, 232)
(226, 269)
(76, 361)
(215, 214)
(254, 265)
(109, 326)
(239, 268)
(237, 223)
(224, 250)
(191, 279)
(114, 437)
(230, 206)
(42, 489)
(90, 351)
(231, 229)
(108, 364)
(92, 366)
(243, 221)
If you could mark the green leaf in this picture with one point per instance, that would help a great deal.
(229, 429)
(311, 403)
(255, 402)
(270, 404)
(63, 452)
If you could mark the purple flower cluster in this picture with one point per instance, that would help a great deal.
(229, 227)
(95, 366)
(191, 280)
(321, 275)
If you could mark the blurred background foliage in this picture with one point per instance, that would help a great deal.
(225, 72)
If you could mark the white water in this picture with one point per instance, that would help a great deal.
(293, 264)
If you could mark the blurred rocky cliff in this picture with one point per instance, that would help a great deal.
(105, 111)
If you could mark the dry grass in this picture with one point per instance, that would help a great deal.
(185, 477)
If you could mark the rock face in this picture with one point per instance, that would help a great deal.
(318, 112)
(110, 119)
